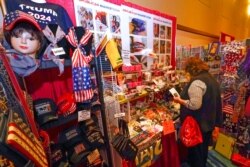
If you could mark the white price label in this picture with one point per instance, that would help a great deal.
(118, 115)
(58, 51)
(83, 115)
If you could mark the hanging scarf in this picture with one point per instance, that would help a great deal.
(23, 65)
(80, 66)
(54, 39)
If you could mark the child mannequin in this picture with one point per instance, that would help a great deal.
(26, 40)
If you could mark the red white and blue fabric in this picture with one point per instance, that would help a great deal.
(54, 39)
(22, 65)
(82, 86)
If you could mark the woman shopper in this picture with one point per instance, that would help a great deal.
(200, 99)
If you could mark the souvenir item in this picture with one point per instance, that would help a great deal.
(113, 54)
(52, 51)
(15, 130)
(80, 66)
(122, 143)
(73, 141)
(224, 145)
(45, 110)
(66, 104)
(92, 132)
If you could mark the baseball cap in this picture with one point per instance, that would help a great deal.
(45, 110)
(58, 156)
(74, 143)
(12, 18)
(66, 104)
(78, 152)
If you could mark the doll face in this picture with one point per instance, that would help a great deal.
(25, 43)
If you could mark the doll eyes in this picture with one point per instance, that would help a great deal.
(27, 38)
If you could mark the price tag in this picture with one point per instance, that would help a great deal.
(118, 115)
(168, 127)
(83, 115)
(58, 51)
(93, 156)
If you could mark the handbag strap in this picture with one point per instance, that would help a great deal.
(123, 127)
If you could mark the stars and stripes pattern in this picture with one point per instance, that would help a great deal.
(228, 109)
(80, 67)
(11, 18)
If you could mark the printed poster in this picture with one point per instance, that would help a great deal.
(132, 29)
(100, 17)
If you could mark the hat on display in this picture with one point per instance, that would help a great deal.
(12, 18)
(92, 131)
(78, 152)
(74, 143)
(66, 104)
(58, 156)
(45, 110)
(70, 137)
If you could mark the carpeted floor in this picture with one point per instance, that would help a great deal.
(215, 160)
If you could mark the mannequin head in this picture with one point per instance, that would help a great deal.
(25, 38)
(23, 33)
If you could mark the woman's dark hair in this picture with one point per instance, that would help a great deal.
(194, 66)
(21, 27)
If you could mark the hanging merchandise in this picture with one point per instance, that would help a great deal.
(122, 143)
(80, 63)
(113, 54)
(232, 56)
(53, 51)
(16, 133)
(46, 13)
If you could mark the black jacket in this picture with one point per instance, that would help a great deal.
(210, 113)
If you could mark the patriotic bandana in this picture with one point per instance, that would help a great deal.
(80, 66)
(21, 64)
(12, 18)
(54, 39)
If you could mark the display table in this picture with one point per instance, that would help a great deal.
(169, 155)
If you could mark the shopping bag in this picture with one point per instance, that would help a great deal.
(190, 133)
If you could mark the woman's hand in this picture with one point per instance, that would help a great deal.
(179, 100)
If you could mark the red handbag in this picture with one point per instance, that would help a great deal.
(190, 133)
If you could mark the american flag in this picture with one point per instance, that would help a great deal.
(228, 109)
(80, 67)
(12, 18)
